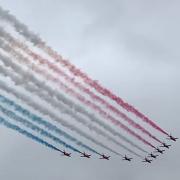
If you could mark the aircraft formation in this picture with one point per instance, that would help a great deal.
(125, 158)
(42, 87)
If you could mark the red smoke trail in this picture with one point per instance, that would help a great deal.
(78, 85)
(37, 41)
(7, 62)
(91, 94)
(92, 105)
(99, 88)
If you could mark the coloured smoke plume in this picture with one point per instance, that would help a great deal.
(46, 124)
(12, 126)
(30, 125)
(113, 141)
(51, 127)
(40, 84)
(37, 41)
(45, 111)
(59, 72)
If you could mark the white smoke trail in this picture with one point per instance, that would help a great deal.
(97, 108)
(52, 101)
(40, 121)
(45, 111)
(32, 126)
(37, 41)
(22, 46)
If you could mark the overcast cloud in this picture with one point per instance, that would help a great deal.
(130, 46)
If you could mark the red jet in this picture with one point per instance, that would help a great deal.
(86, 155)
(172, 138)
(104, 157)
(147, 160)
(159, 150)
(165, 145)
(127, 158)
(66, 154)
(153, 156)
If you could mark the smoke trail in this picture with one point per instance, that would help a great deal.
(45, 111)
(50, 126)
(58, 71)
(33, 127)
(27, 134)
(99, 88)
(42, 86)
(43, 122)
(108, 137)
(37, 41)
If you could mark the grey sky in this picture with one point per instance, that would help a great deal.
(131, 47)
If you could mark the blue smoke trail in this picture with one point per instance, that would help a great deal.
(27, 134)
(30, 125)
(43, 122)
(46, 111)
